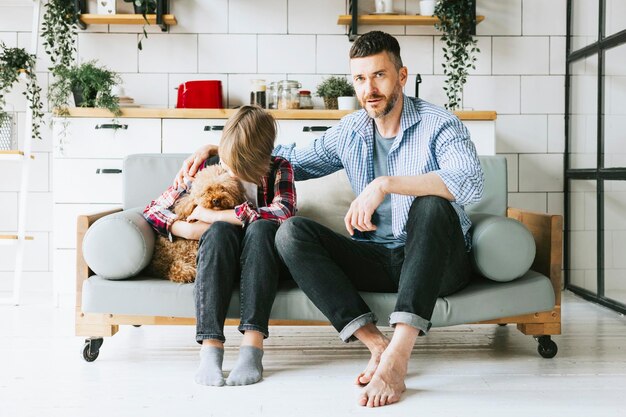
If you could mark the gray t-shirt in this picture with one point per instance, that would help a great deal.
(382, 216)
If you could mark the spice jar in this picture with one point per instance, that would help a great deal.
(306, 102)
(257, 93)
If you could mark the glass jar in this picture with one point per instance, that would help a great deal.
(257, 93)
(272, 95)
(288, 95)
(306, 102)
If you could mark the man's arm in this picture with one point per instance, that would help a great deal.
(359, 216)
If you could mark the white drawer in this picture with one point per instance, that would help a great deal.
(65, 215)
(87, 181)
(187, 135)
(301, 132)
(106, 138)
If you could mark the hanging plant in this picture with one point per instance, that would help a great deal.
(457, 21)
(17, 64)
(143, 7)
(58, 31)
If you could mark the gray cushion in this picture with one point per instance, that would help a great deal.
(159, 168)
(502, 248)
(495, 190)
(481, 300)
(119, 245)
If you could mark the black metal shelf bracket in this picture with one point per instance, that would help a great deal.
(353, 7)
(161, 9)
(80, 6)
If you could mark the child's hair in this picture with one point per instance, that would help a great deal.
(247, 143)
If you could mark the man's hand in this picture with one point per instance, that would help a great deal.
(359, 215)
(190, 165)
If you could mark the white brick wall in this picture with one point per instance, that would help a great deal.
(519, 73)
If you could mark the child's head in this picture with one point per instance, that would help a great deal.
(247, 143)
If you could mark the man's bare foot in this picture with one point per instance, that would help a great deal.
(365, 377)
(376, 342)
(387, 383)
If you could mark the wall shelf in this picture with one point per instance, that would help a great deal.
(13, 155)
(317, 114)
(126, 19)
(395, 19)
(11, 239)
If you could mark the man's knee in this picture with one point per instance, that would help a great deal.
(289, 231)
(429, 206)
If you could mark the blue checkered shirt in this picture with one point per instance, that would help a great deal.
(430, 139)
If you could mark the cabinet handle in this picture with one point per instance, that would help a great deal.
(209, 128)
(113, 126)
(315, 128)
(108, 171)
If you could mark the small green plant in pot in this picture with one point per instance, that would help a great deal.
(456, 22)
(91, 86)
(16, 64)
(333, 87)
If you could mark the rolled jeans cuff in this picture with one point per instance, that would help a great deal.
(347, 333)
(411, 319)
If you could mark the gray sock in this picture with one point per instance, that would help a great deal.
(210, 370)
(248, 368)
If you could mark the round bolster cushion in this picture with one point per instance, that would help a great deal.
(119, 245)
(503, 249)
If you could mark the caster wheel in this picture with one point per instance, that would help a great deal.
(91, 349)
(136, 325)
(547, 348)
(502, 324)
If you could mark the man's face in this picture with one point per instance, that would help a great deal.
(377, 83)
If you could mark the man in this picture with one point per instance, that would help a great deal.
(413, 168)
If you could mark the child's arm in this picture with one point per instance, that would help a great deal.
(191, 231)
(283, 203)
(158, 212)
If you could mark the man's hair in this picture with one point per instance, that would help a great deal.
(247, 143)
(375, 42)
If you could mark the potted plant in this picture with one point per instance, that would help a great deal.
(17, 64)
(333, 87)
(456, 22)
(91, 86)
(144, 8)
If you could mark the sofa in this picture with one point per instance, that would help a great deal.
(517, 257)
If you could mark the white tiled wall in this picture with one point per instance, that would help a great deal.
(519, 73)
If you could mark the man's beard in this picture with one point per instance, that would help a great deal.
(391, 102)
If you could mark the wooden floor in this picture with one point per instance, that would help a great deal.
(458, 371)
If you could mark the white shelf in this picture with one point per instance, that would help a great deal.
(13, 156)
(12, 239)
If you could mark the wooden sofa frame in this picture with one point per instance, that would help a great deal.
(546, 229)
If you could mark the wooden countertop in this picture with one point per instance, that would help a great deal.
(226, 113)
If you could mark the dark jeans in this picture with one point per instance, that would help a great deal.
(331, 268)
(228, 253)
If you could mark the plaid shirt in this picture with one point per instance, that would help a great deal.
(430, 139)
(276, 196)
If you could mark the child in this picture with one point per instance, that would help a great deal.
(236, 245)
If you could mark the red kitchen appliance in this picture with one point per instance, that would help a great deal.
(201, 94)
